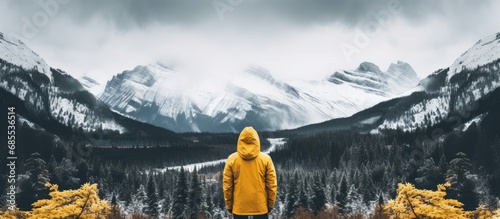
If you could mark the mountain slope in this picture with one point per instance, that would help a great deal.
(155, 94)
(14, 51)
(397, 79)
(58, 103)
(448, 96)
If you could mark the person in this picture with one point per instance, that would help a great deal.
(249, 180)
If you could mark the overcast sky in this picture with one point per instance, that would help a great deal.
(306, 39)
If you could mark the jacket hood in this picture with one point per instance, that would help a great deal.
(248, 144)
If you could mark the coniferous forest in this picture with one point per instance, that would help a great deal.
(326, 175)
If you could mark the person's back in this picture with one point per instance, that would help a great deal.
(249, 178)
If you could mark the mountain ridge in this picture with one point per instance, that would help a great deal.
(251, 97)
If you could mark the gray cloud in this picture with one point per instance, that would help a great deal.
(84, 34)
(126, 14)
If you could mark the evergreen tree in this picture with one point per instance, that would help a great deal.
(342, 195)
(138, 204)
(82, 171)
(430, 175)
(65, 173)
(210, 205)
(462, 187)
(115, 211)
(33, 188)
(333, 194)
(291, 196)
(165, 207)
(127, 195)
(354, 200)
(180, 196)
(195, 197)
(366, 188)
(318, 198)
(152, 198)
(303, 199)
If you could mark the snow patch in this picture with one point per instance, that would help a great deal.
(483, 52)
(16, 52)
(276, 143)
(476, 120)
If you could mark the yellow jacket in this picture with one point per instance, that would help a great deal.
(249, 177)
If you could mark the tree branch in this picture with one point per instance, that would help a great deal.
(411, 207)
(84, 204)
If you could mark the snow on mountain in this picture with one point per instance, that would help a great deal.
(16, 52)
(158, 94)
(91, 85)
(485, 51)
(397, 79)
(58, 98)
(475, 74)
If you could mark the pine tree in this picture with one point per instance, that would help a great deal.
(333, 194)
(139, 200)
(303, 199)
(165, 207)
(195, 197)
(127, 195)
(430, 175)
(462, 187)
(354, 200)
(65, 174)
(33, 188)
(115, 211)
(379, 209)
(342, 195)
(318, 198)
(152, 198)
(291, 197)
(180, 196)
(210, 205)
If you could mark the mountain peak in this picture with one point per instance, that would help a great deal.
(484, 51)
(259, 72)
(368, 77)
(16, 52)
(368, 67)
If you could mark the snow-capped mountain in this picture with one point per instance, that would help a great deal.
(485, 51)
(55, 101)
(14, 51)
(450, 98)
(474, 75)
(158, 94)
(368, 76)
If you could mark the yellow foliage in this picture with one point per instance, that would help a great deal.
(15, 214)
(420, 203)
(480, 213)
(496, 214)
(80, 203)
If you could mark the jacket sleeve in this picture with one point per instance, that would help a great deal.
(228, 185)
(271, 184)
